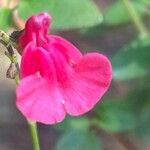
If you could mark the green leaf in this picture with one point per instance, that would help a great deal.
(132, 61)
(5, 19)
(143, 128)
(115, 116)
(140, 99)
(117, 13)
(78, 140)
(66, 14)
(146, 2)
(73, 123)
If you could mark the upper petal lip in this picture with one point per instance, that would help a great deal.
(41, 21)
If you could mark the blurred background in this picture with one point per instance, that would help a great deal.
(117, 28)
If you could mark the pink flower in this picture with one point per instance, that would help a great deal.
(56, 79)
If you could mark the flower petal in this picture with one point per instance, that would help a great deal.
(36, 30)
(40, 101)
(87, 85)
(36, 60)
(29, 61)
(72, 54)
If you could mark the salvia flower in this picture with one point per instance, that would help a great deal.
(56, 79)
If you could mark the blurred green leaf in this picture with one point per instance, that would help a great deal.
(5, 18)
(145, 6)
(66, 13)
(133, 60)
(141, 105)
(143, 127)
(73, 123)
(115, 116)
(79, 140)
(92, 31)
(117, 13)
(146, 2)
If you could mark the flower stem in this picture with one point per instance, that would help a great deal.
(143, 32)
(7, 41)
(17, 79)
(34, 135)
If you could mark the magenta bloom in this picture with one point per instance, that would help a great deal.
(56, 79)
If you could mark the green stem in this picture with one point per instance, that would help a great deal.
(34, 135)
(6, 40)
(143, 32)
(17, 79)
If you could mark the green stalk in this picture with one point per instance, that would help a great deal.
(6, 40)
(143, 32)
(34, 135)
